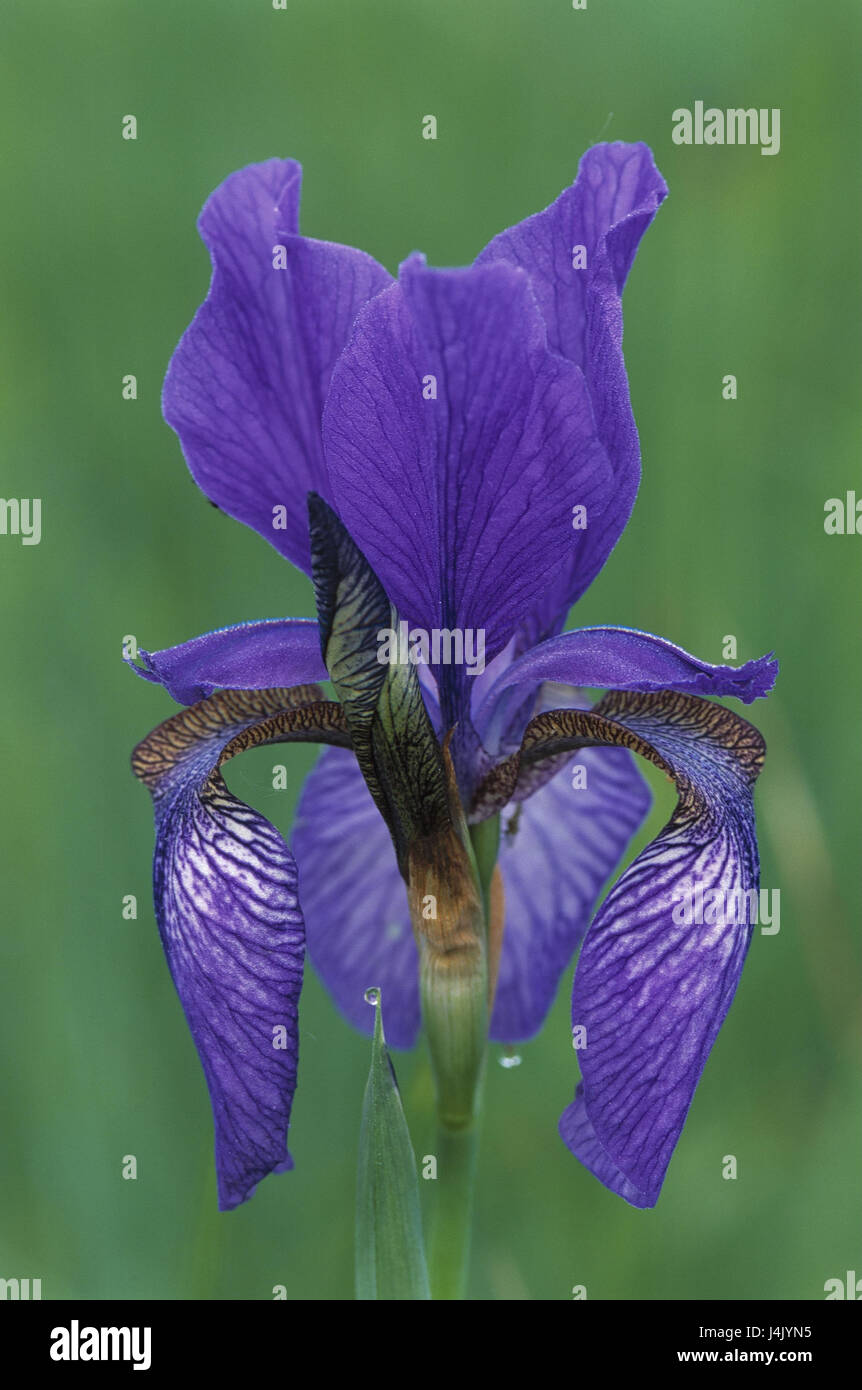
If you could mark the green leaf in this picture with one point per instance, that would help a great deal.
(392, 735)
(390, 1256)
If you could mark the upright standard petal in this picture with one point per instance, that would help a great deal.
(661, 962)
(578, 253)
(457, 445)
(246, 385)
(224, 885)
(249, 656)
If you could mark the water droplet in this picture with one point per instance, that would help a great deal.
(372, 996)
(510, 1058)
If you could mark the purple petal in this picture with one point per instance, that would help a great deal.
(354, 899)
(607, 210)
(463, 503)
(226, 902)
(621, 658)
(578, 1135)
(246, 385)
(566, 844)
(652, 991)
(249, 656)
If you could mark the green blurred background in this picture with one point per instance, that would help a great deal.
(752, 268)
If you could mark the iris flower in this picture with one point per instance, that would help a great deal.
(454, 449)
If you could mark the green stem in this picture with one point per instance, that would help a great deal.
(485, 844)
(450, 1235)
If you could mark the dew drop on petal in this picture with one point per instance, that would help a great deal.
(510, 1058)
(372, 996)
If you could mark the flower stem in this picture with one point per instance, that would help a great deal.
(450, 1234)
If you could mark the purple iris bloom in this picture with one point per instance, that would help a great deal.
(468, 445)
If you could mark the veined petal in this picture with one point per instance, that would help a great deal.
(620, 658)
(457, 445)
(578, 1135)
(224, 885)
(560, 847)
(603, 214)
(354, 899)
(249, 656)
(246, 385)
(656, 974)
(614, 198)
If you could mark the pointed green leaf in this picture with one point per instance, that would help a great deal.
(392, 735)
(390, 1255)
(352, 607)
(408, 757)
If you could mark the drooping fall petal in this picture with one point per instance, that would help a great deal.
(225, 891)
(653, 985)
